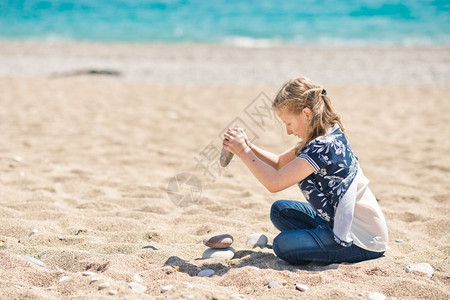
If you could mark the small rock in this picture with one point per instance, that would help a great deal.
(301, 287)
(166, 288)
(376, 296)
(220, 241)
(88, 273)
(112, 292)
(257, 239)
(103, 285)
(150, 247)
(94, 279)
(137, 278)
(189, 285)
(227, 253)
(189, 296)
(34, 261)
(173, 115)
(32, 232)
(137, 287)
(17, 158)
(206, 273)
(60, 238)
(425, 268)
(64, 278)
(272, 284)
(399, 241)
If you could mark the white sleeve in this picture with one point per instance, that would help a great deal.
(343, 216)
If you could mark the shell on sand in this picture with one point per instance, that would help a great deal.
(219, 241)
(225, 157)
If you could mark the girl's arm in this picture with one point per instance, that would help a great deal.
(275, 161)
(274, 180)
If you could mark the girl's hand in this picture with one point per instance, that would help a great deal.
(235, 141)
(245, 136)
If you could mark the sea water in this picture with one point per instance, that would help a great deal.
(240, 22)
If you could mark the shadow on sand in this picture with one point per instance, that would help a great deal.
(243, 258)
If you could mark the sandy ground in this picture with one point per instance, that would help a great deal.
(90, 162)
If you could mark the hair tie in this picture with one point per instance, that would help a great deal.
(324, 92)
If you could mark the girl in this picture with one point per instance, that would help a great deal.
(342, 221)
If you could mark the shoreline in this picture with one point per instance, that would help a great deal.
(215, 64)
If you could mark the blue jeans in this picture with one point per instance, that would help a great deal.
(305, 237)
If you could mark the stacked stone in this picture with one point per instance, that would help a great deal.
(219, 247)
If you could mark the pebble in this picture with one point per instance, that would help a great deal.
(227, 253)
(166, 288)
(88, 273)
(189, 296)
(34, 261)
(137, 278)
(33, 232)
(112, 292)
(220, 241)
(103, 285)
(150, 247)
(137, 287)
(376, 296)
(257, 239)
(94, 279)
(272, 284)
(425, 268)
(173, 115)
(399, 241)
(206, 273)
(64, 278)
(301, 287)
(17, 158)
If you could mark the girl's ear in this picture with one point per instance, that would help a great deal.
(307, 113)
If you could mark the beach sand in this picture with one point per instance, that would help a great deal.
(90, 162)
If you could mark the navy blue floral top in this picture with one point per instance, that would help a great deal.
(335, 167)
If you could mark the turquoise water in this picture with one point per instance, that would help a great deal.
(263, 22)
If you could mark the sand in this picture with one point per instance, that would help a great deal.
(90, 162)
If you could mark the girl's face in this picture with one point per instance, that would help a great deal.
(296, 124)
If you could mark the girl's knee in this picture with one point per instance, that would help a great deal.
(275, 210)
(279, 245)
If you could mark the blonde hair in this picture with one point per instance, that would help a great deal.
(299, 93)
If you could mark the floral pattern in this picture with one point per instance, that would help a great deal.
(335, 167)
